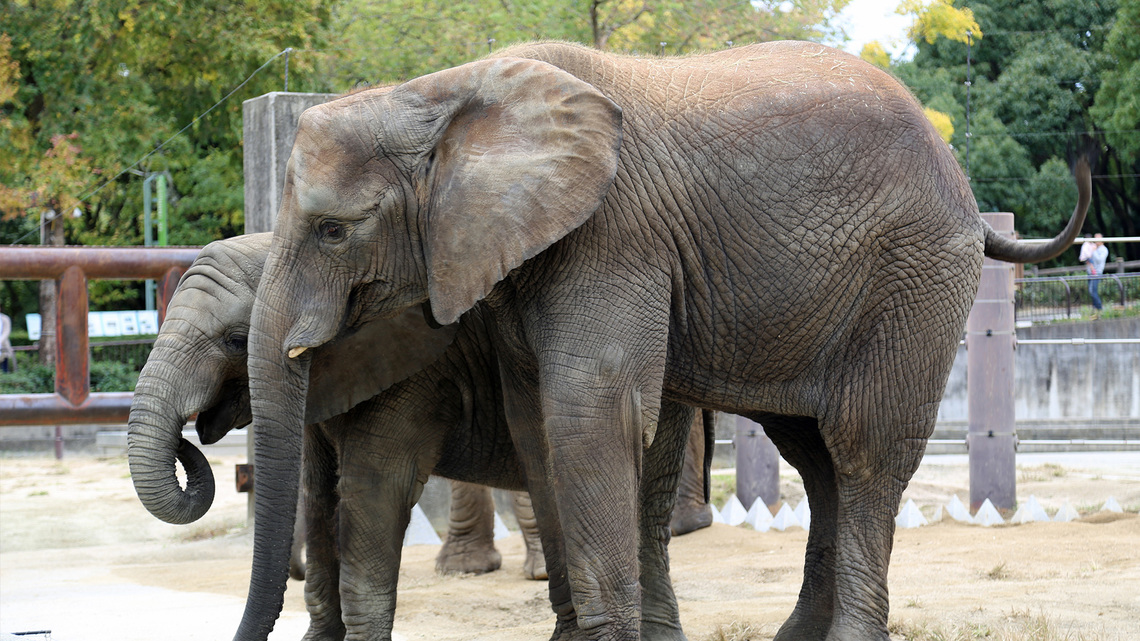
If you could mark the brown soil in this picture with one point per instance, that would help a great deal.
(74, 530)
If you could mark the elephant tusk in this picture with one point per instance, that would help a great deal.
(297, 351)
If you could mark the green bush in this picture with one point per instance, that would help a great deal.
(30, 378)
(34, 378)
(109, 376)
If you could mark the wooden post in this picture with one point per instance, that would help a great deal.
(990, 341)
(757, 465)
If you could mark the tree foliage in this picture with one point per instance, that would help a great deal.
(1050, 80)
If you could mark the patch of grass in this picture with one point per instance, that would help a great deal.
(1019, 625)
(40, 493)
(721, 487)
(741, 631)
(1042, 472)
(998, 573)
(913, 602)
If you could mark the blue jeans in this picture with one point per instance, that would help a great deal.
(1094, 283)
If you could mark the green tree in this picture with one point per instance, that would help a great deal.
(382, 41)
(1049, 81)
(89, 87)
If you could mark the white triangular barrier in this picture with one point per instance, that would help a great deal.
(1066, 514)
(501, 531)
(420, 531)
(717, 517)
(759, 516)
(785, 518)
(803, 513)
(938, 512)
(734, 512)
(1111, 505)
(988, 515)
(910, 516)
(957, 510)
(1029, 512)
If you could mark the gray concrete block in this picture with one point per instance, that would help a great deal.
(269, 124)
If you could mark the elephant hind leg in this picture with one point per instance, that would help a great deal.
(534, 567)
(470, 545)
(661, 468)
(802, 446)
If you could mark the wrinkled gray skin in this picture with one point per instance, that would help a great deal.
(214, 303)
(364, 469)
(774, 231)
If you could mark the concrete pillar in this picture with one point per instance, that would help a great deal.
(990, 340)
(269, 126)
(757, 465)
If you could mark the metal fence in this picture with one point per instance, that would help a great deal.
(1067, 297)
(73, 401)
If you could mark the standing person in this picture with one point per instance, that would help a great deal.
(7, 356)
(1094, 254)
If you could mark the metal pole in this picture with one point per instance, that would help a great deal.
(757, 465)
(163, 208)
(990, 341)
(148, 235)
(969, 83)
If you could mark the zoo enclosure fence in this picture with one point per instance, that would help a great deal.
(72, 267)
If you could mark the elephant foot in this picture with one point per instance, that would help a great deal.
(460, 556)
(801, 628)
(534, 568)
(661, 632)
(689, 518)
(850, 630)
(566, 629)
(331, 632)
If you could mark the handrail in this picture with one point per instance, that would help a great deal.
(72, 267)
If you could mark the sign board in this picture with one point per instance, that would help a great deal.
(130, 323)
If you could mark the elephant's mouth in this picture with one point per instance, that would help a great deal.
(230, 411)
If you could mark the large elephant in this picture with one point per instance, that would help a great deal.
(365, 468)
(775, 231)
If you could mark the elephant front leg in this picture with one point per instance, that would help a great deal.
(322, 572)
(596, 440)
(374, 513)
(524, 417)
(470, 544)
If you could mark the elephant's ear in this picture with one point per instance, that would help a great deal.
(358, 366)
(524, 153)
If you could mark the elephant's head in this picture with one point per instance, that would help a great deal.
(198, 365)
(430, 191)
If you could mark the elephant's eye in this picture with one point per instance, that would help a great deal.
(332, 231)
(236, 342)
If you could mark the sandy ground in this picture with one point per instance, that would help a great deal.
(79, 556)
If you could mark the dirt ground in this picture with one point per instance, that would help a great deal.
(80, 556)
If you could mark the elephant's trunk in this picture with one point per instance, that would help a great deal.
(154, 440)
(278, 387)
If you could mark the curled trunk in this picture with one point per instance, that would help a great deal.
(154, 441)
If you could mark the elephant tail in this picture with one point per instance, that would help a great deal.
(1000, 247)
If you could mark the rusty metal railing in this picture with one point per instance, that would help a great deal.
(71, 267)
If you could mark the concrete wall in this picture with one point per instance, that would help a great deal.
(1065, 381)
(269, 125)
